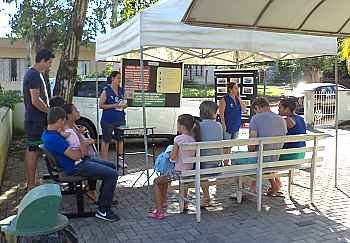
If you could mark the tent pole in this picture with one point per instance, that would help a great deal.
(97, 111)
(336, 121)
(145, 135)
(237, 59)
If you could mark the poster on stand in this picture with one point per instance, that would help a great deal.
(162, 83)
(247, 81)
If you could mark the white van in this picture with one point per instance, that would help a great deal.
(162, 118)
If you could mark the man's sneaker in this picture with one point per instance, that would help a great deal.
(107, 215)
(120, 162)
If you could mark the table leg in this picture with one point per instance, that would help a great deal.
(123, 143)
(117, 155)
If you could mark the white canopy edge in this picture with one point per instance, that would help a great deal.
(315, 17)
(160, 30)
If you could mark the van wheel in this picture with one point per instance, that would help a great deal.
(89, 126)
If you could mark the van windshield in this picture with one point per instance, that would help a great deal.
(88, 88)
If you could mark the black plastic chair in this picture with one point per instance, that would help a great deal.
(57, 174)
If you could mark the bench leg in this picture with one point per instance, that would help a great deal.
(80, 198)
(259, 193)
(290, 182)
(312, 182)
(198, 201)
(240, 189)
(182, 196)
(80, 204)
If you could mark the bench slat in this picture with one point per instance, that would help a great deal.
(243, 173)
(249, 167)
(250, 141)
(220, 157)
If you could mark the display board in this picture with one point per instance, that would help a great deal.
(162, 83)
(247, 81)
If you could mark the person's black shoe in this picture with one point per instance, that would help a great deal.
(108, 215)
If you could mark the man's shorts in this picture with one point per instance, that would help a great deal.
(110, 131)
(34, 130)
(292, 156)
(229, 136)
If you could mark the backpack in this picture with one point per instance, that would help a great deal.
(163, 165)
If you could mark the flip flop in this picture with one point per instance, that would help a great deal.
(206, 204)
(269, 193)
(92, 195)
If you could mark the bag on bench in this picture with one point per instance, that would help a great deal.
(163, 165)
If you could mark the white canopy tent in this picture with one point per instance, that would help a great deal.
(316, 17)
(312, 17)
(163, 36)
(159, 34)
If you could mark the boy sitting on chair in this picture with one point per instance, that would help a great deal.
(67, 156)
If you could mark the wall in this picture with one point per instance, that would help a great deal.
(20, 49)
(344, 105)
(5, 138)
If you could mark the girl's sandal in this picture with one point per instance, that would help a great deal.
(157, 214)
(206, 203)
(274, 193)
(185, 209)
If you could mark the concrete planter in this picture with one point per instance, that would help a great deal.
(18, 117)
(6, 127)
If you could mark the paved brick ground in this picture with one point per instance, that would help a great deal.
(282, 220)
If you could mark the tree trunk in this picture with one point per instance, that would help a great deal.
(312, 75)
(67, 70)
(114, 18)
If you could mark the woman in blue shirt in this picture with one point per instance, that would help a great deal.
(230, 111)
(113, 104)
(295, 125)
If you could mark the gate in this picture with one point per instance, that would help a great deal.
(320, 108)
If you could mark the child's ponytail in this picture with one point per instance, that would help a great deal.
(191, 124)
(196, 130)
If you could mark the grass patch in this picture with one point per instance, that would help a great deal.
(272, 91)
(198, 92)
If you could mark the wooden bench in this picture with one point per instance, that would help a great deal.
(258, 169)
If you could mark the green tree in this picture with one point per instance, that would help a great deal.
(345, 52)
(42, 24)
(47, 24)
(129, 8)
(64, 25)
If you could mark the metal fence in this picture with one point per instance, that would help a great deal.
(11, 85)
(324, 108)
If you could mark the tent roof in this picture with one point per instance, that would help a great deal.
(160, 31)
(317, 17)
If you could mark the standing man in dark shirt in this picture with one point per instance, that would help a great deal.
(36, 104)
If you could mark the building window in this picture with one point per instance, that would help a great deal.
(193, 71)
(187, 70)
(83, 68)
(12, 69)
(199, 71)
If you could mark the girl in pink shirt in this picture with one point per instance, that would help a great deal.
(189, 131)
